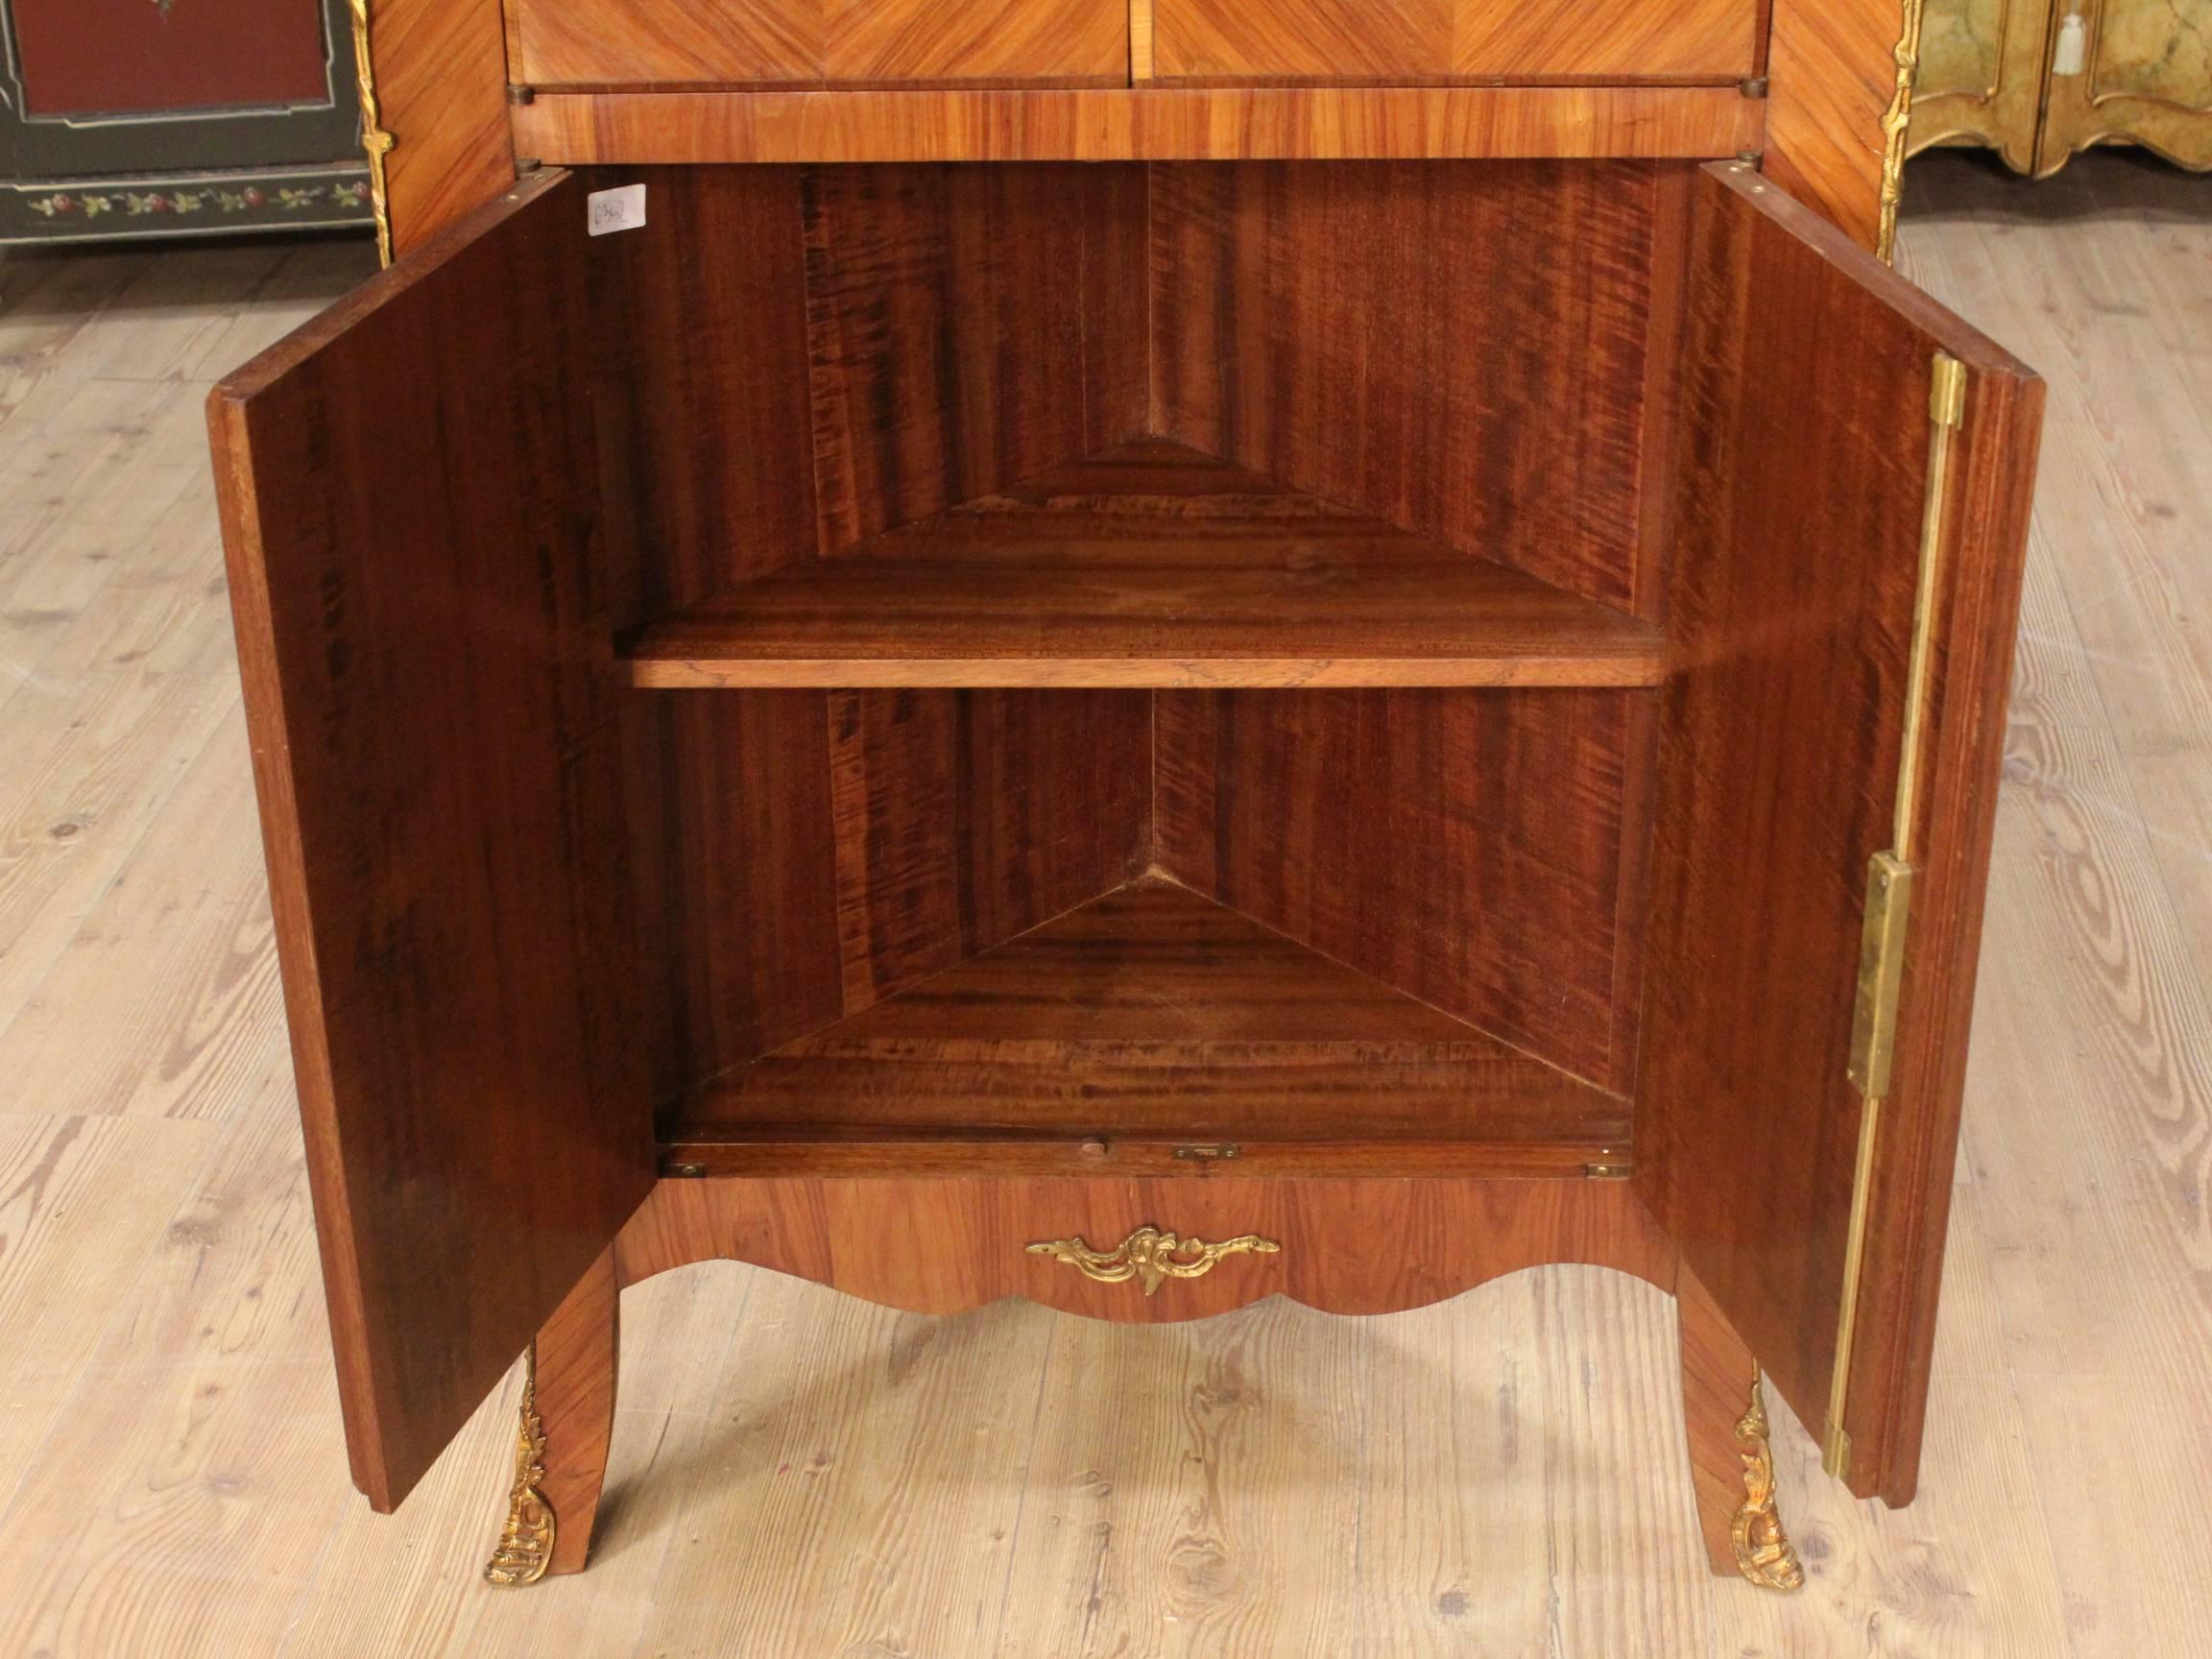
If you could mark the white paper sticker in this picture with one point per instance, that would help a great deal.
(622, 209)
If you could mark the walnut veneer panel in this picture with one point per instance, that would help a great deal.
(1616, 39)
(967, 326)
(1807, 368)
(701, 353)
(1419, 40)
(1351, 1246)
(964, 818)
(1146, 565)
(736, 42)
(615, 42)
(1143, 1022)
(1164, 125)
(873, 344)
(1831, 71)
(1464, 846)
(440, 72)
(411, 527)
(1305, 326)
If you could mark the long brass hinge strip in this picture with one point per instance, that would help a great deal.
(1890, 896)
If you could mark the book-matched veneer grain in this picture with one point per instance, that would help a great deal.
(1150, 1029)
(1303, 327)
(818, 42)
(876, 344)
(962, 502)
(1402, 42)
(1348, 1246)
(1465, 846)
(1227, 123)
(1146, 565)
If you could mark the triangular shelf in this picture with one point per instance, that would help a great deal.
(1149, 1030)
(1146, 565)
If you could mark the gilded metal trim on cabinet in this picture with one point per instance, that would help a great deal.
(1894, 123)
(1764, 1552)
(1888, 895)
(1151, 1257)
(376, 142)
(525, 1548)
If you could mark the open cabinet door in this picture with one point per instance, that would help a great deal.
(410, 513)
(1831, 733)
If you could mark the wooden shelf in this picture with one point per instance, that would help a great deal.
(1148, 564)
(1148, 1032)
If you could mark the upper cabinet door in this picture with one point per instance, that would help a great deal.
(410, 514)
(1410, 41)
(818, 42)
(1853, 473)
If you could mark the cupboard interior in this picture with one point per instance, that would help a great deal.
(1141, 664)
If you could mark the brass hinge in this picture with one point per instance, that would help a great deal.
(1881, 964)
(1607, 1171)
(1889, 897)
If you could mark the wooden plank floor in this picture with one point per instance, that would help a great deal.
(798, 1474)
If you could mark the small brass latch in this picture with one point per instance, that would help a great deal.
(1215, 1152)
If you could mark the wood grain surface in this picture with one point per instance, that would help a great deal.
(967, 326)
(818, 42)
(1501, 1469)
(869, 340)
(1696, 123)
(1146, 565)
(1771, 806)
(1402, 41)
(414, 639)
(1831, 71)
(1118, 1034)
(574, 1357)
(1349, 1246)
(1718, 1368)
(1303, 326)
(441, 69)
(1464, 846)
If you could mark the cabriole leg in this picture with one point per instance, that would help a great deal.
(1730, 1462)
(567, 1419)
